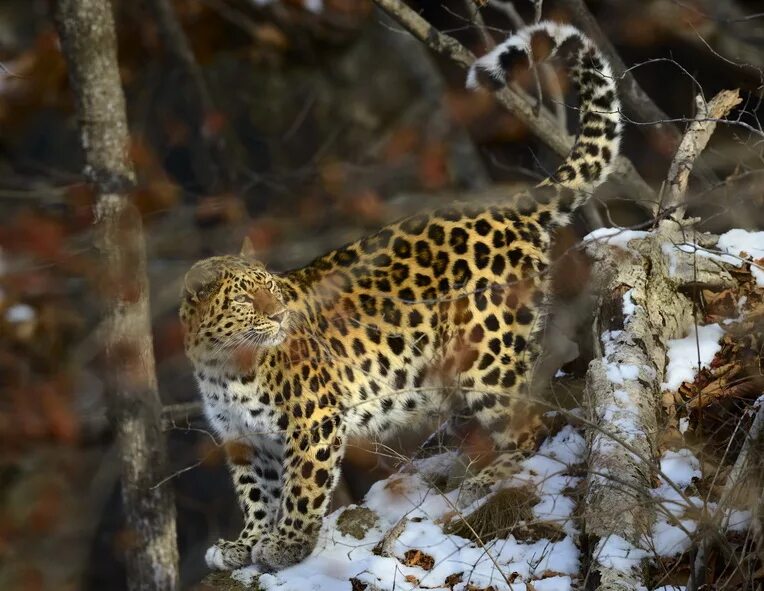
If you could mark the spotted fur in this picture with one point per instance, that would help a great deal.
(435, 314)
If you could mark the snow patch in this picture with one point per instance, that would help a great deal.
(671, 540)
(629, 307)
(339, 558)
(246, 576)
(618, 553)
(669, 249)
(736, 242)
(553, 584)
(619, 237)
(20, 313)
(680, 467)
(739, 520)
(683, 354)
(619, 372)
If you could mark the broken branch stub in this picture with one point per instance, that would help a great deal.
(694, 142)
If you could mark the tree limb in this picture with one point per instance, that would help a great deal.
(694, 142)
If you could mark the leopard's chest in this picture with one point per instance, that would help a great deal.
(236, 408)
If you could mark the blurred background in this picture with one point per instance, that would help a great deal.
(302, 124)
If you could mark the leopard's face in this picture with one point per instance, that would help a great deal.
(231, 304)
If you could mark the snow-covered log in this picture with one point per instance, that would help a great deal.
(643, 307)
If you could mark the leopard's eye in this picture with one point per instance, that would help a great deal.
(242, 299)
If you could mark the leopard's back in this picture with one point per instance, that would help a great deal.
(435, 302)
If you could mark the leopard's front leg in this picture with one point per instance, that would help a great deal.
(256, 474)
(311, 466)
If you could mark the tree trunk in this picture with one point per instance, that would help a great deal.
(87, 33)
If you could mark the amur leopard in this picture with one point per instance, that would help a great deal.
(434, 314)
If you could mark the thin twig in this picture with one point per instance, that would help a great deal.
(735, 480)
(7, 72)
(385, 546)
(183, 411)
(473, 11)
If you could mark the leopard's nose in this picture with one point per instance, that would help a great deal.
(278, 316)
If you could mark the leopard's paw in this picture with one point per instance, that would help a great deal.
(273, 552)
(227, 555)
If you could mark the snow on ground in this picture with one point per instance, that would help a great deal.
(672, 531)
(736, 242)
(619, 237)
(682, 467)
(675, 525)
(503, 563)
(731, 247)
(684, 354)
(619, 554)
(669, 249)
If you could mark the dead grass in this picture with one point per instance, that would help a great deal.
(508, 512)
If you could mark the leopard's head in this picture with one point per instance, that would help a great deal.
(231, 304)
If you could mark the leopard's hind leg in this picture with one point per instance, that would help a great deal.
(504, 400)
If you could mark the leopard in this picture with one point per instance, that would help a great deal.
(437, 314)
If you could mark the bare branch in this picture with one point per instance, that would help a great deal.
(183, 411)
(694, 142)
(4, 69)
(473, 11)
(385, 546)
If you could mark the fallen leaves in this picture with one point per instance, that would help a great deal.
(418, 558)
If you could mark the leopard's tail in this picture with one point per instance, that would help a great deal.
(596, 147)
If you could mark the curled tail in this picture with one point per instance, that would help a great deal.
(596, 147)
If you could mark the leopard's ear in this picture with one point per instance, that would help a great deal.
(200, 281)
(247, 249)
